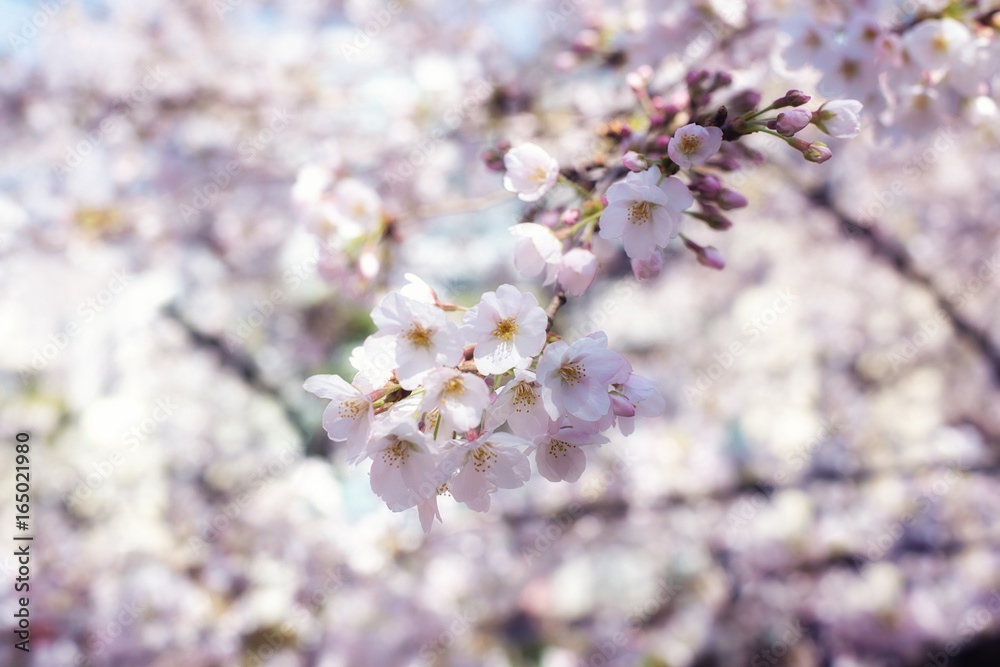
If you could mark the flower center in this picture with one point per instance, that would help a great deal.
(483, 458)
(639, 213)
(395, 455)
(351, 408)
(523, 396)
(538, 174)
(572, 374)
(453, 387)
(559, 448)
(690, 143)
(940, 43)
(506, 328)
(418, 335)
(850, 69)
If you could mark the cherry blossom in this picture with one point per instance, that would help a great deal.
(839, 118)
(508, 328)
(495, 460)
(575, 377)
(403, 471)
(520, 404)
(425, 339)
(531, 172)
(537, 251)
(577, 270)
(348, 418)
(644, 211)
(460, 398)
(693, 144)
(559, 455)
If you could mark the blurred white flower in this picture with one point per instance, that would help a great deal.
(531, 172)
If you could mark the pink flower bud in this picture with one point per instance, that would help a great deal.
(570, 216)
(731, 199)
(634, 162)
(712, 258)
(793, 98)
(790, 122)
(708, 187)
(621, 405)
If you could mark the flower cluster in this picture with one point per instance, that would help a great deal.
(448, 408)
(685, 131)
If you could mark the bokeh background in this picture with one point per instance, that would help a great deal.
(821, 489)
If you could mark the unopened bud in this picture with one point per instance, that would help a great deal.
(731, 199)
(712, 258)
(790, 122)
(793, 98)
(634, 162)
(743, 101)
(708, 187)
(817, 152)
(714, 217)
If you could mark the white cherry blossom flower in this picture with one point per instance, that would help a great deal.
(490, 462)
(520, 404)
(349, 415)
(559, 454)
(404, 471)
(577, 270)
(460, 398)
(644, 212)
(375, 361)
(937, 43)
(508, 327)
(839, 118)
(425, 339)
(537, 251)
(575, 377)
(693, 144)
(531, 172)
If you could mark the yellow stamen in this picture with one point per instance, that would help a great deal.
(506, 329)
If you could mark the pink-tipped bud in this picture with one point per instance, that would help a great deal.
(706, 255)
(714, 218)
(621, 406)
(790, 122)
(731, 199)
(712, 258)
(493, 160)
(817, 152)
(635, 162)
(570, 216)
(793, 98)
(708, 188)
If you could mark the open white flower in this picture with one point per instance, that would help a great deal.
(839, 118)
(644, 212)
(575, 377)
(349, 415)
(537, 251)
(692, 144)
(558, 453)
(937, 43)
(490, 462)
(404, 471)
(531, 172)
(508, 327)
(577, 270)
(520, 404)
(425, 339)
(459, 397)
